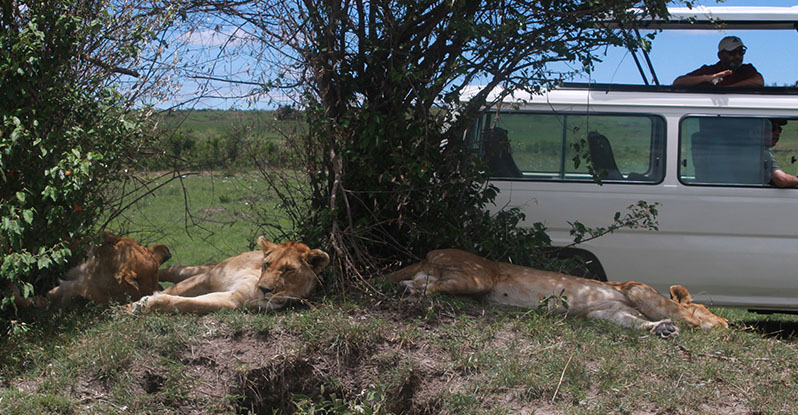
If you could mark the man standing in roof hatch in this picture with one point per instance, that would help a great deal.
(729, 71)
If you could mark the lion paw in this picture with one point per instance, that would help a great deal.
(421, 284)
(137, 307)
(665, 329)
(407, 288)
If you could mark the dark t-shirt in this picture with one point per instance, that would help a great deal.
(745, 71)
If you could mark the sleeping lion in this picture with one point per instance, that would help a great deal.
(631, 304)
(268, 278)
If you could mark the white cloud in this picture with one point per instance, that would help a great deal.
(215, 37)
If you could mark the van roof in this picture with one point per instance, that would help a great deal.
(740, 17)
(775, 100)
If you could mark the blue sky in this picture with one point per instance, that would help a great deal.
(676, 52)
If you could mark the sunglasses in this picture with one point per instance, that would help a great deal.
(739, 51)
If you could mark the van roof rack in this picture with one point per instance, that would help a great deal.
(732, 18)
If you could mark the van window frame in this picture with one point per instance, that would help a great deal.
(719, 116)
(658, 120)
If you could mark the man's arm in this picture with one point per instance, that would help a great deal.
(754, 80)
(693, 80)
(780, 178)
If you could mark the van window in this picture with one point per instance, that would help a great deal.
(733, 151)
(543, 146)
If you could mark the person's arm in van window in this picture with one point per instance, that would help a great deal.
(780, 178)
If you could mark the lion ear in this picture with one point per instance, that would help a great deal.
(317, 259)
(109, 238)
(265, 244)
(680, 294)
(161, 253)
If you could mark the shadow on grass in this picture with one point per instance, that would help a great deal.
(782, 330)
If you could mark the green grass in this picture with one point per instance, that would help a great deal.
(202, 218)
(204, 124)
(444, 355)
(221, 140)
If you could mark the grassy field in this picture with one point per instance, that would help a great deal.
(435, 356)
(203, 218)
(205, 124)
(222, 140)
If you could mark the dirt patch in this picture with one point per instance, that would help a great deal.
(270, 388)
(268, 371)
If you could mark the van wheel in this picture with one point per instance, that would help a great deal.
(578, 262)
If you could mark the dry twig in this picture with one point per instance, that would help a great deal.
(562, 375)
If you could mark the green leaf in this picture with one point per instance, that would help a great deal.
(27, 290)
(43, 262)
(49, 191)
(27, 214)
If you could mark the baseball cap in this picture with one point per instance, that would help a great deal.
(730, 43)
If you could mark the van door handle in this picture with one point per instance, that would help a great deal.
(684, 162)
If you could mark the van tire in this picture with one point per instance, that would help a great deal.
(594, 271)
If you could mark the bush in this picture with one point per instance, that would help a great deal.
(63, 136)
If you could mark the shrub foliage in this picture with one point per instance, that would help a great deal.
(64, 134)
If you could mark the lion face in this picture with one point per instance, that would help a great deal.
(705, 317)
(288, 272)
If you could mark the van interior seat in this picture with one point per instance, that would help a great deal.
(497, 151)
(602, 157)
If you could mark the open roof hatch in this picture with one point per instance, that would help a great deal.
(713, 18)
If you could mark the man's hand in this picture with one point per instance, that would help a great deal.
(715, 78)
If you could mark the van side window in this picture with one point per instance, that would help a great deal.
(535, 146)
(728, 151)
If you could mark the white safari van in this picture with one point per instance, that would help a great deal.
(705, 156)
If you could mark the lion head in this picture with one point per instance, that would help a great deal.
(288, 272)
(706, 319)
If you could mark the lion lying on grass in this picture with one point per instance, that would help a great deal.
(118, 268)
(267, 279)
(630, 304)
